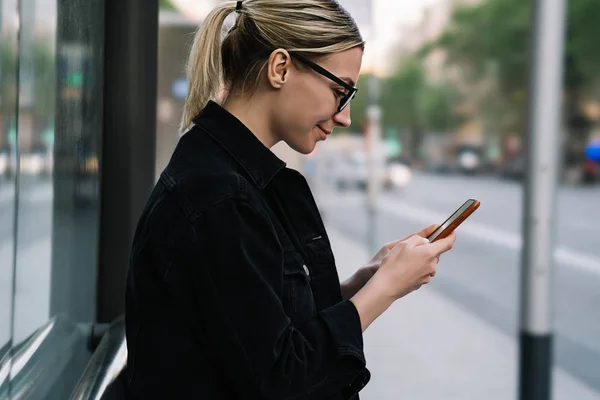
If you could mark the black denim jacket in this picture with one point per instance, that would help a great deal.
(232, 290)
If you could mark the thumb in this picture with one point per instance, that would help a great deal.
(428, 231)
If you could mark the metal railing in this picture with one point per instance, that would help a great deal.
(103, 376)
(47, 363)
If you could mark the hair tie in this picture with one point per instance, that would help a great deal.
(238, 6)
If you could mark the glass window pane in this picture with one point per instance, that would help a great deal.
(59, 141)
(34, 222)
(8, 162)
(58, 205)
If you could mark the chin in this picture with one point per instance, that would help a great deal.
(303, 148)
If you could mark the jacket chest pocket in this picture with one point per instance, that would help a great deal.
(297, 297)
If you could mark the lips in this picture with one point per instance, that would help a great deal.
(326, 132)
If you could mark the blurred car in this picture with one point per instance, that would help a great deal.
(36, 162)
(397, 175)
(591, 164)
(353, 172)
(513, 168)
(440, 166)
(591, 171)
(31, 164)
(4, 163)
(468, 159)
(578, 172)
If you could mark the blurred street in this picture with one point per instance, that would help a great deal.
(426, 347)
(35, 204)
(481, 274)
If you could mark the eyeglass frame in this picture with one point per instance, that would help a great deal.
(344, 101)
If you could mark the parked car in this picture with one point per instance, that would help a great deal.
(352, 171)
(591, 171)
(38, 161)
(469, 159)
(4, 163)
(513, 168)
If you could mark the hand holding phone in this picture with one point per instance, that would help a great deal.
(454, 220)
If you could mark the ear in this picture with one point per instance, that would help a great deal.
(278, 68)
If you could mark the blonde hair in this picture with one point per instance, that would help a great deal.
(220, 58)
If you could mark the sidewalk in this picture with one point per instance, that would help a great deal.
(427, 347)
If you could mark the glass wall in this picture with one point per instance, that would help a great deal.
(51, 72)
(9, 24)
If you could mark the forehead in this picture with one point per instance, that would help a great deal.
(344, 64)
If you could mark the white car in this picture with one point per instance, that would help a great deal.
(3, 164)
(353, 172)
(7, 164)
(398, 174)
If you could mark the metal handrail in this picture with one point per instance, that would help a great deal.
(33, 367)
(107, 363)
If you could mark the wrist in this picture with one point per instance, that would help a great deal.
(381, 284)
(349, 287)
(372, 300)
(357, 281)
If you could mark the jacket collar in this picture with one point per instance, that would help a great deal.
(260, 163)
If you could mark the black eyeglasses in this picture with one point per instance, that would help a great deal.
(347, 97)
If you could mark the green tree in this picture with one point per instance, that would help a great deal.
(358, 106)
(44, 84)
(8, 66)
(497, 32)
(492, 33)
(400, 103)
(437, 104)
(166, 5)
(8, 89)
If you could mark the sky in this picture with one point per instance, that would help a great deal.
(388, 16)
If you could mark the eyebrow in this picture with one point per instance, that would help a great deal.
(349, 81)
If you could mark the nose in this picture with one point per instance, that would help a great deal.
(342, 118)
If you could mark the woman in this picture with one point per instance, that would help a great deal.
(232, 291)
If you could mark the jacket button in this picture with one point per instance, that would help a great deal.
(306, 270)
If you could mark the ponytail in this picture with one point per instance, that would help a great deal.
(227, 61)
(204, 71)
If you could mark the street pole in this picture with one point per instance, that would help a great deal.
(542, 147)
(363, 13)
(374, 161)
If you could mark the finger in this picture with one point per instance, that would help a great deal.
(423, 233)
(415, 241)
(428, 231)
(393, 244)
(441, 246)
(432, 268)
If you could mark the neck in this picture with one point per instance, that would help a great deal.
(251, 112)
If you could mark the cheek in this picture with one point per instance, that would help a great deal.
(313, 99)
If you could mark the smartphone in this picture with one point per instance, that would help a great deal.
(454, 220)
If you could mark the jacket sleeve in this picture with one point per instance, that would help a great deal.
(238, 284)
